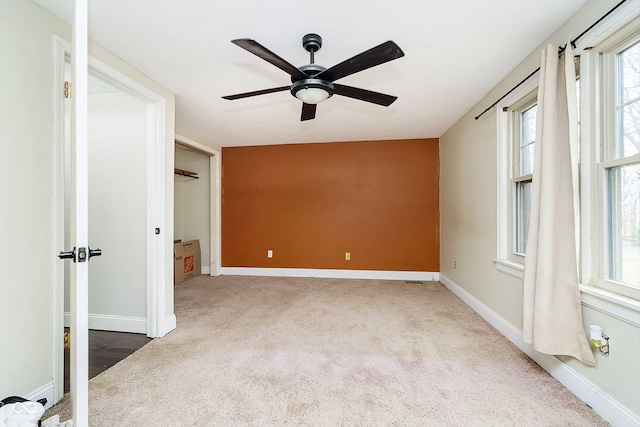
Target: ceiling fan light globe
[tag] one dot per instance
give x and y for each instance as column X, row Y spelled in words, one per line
column 312, row 95
column 312, row 91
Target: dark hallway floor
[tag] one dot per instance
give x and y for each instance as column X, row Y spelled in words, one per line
column 106, row 348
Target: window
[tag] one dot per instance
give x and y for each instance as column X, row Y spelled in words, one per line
column 523, row 138
column 523, row 182
column 619, row 169
column 608, row 89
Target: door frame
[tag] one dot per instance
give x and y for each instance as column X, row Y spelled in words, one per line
column 215, row 192
column 157, row 324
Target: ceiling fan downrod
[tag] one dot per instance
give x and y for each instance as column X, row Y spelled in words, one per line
column 312, row 43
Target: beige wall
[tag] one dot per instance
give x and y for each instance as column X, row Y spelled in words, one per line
column 118, row 205
column 117, row 208
column 27, row 174
column 468, row 154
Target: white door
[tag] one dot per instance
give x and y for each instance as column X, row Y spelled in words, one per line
column 80, row 254
column 159, row 319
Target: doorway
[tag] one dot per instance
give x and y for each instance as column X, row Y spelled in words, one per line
column 117, row 127
column 191, row 217
column 190, row 152
column 117, row 123
column 127, row 169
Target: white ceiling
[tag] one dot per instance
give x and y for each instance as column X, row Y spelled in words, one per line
column 455, row 52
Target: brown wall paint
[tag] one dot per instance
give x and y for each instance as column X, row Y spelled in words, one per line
column 311, row 203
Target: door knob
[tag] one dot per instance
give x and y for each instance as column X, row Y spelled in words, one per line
column 82, row 254
column 68, row 255
column 95, row 252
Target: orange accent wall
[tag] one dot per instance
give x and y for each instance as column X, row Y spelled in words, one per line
column 311, row 203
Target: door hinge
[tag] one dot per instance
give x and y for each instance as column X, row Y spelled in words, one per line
column 67, row 89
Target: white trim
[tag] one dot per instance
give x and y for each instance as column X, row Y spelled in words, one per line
column 331, row 274
column 590, row 146
column 156, row 188
column 611, row 304
column 623, row 15
column 190, row 143
column 167, row 325
column 44, row 392
column 60, row 48
column 511, row 268
column 215, row 175
column 79, row 215
column 155, row 191
column 111, row 75
column 215, row 189
column 597, row 121
column 604, row 405
column 503, row 175
column 107, row 322
column 156, row 203
column 205, row 269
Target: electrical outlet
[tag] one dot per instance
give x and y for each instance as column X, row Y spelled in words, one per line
column 269, row 253
column 347, row 256
column 455, row 264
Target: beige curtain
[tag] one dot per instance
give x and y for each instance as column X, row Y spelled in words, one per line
column 552, row 316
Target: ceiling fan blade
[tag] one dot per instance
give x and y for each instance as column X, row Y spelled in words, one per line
column 364, row 95
column 257, row 92
column 385, row 52
column 308, row 112
column 264, row 53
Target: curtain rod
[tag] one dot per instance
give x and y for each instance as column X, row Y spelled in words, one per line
column 560, row 50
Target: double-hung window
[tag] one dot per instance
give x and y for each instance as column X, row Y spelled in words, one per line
column 523, row 138
column 609, row 167
column 618, row 178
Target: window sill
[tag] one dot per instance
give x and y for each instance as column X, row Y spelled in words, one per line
column 612, row 304
column 609, row 303
column 511, row 268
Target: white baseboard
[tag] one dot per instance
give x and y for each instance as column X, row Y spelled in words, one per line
column 608, row 408
column 331, row 274
column 105, row 322
column 205, row 270
column 166, row 326
column 44, row 392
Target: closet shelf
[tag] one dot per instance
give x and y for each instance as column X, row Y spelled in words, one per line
column 182, row 175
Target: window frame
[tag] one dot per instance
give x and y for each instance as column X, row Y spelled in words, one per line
column 517, row 178
column 506, row 260
column 605, row 59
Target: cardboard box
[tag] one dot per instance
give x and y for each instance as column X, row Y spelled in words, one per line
column 186, row 257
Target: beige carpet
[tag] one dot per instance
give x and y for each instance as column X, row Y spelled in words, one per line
column 326, row 352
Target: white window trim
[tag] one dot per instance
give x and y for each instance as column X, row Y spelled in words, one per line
column 504, row 181
column 610, row 303
column 511, row 268
column 596, row 298
column 595, row 161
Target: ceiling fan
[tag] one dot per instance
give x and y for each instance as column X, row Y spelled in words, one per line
column 313, row 83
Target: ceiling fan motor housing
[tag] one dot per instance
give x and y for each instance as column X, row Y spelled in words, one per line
column 311, row 83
